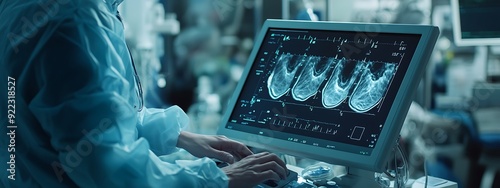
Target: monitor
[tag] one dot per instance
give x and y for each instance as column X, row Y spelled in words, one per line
column 333, row 92
column 474, row 22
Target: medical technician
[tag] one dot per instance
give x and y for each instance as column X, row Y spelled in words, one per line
column 79, row 118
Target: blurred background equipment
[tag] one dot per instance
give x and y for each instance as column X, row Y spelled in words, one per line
column 471, row 26
column 146, row 23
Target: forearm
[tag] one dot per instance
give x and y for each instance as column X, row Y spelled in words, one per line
column 184, row 139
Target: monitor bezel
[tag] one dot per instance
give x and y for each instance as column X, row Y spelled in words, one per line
column 389, row 134
column 457, row 31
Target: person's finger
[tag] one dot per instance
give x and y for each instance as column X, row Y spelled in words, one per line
column 257, row 155
column 238, row 149
column 270, row 157
column 268, row 175
column 242, row 149
column 271, row 165
column 223, row 156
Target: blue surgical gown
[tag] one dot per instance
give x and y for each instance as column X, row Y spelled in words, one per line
column 76, row 104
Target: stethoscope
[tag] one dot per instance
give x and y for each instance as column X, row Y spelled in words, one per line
column 139, row 86
column 139, row 91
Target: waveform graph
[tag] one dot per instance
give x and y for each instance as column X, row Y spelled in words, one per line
column 281, row 77
column 355, row 84
column 340, row 83
column 372, row 86
column 312, row 76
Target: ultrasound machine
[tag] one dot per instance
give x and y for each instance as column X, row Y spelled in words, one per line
column 332, row 92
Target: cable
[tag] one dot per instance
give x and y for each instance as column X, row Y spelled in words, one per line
column 405, row 168
column 396, row 181
column 425, row 172
column 400, row 172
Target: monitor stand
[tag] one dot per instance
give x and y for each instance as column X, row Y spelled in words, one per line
column 356, row 178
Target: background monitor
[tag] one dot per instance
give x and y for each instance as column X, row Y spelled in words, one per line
column 334, row 92
column 475, row 22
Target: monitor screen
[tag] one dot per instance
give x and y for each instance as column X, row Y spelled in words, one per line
column 325, row 93
column 474, row 22
column 306, row 86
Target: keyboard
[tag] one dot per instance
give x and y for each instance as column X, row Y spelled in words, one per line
column 291, row 181
column 291, row 177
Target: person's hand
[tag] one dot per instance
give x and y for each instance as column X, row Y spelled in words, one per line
column 218, row 147
column 255, row 169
